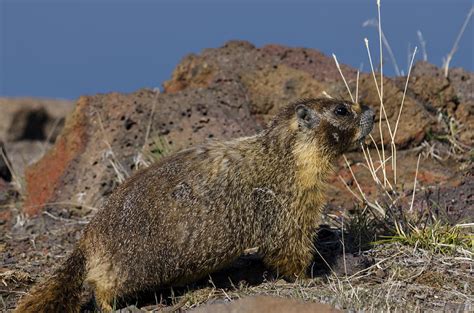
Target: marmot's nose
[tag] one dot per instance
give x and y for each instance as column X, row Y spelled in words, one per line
column 369, row 112
column 367, row 121
column 372, row 113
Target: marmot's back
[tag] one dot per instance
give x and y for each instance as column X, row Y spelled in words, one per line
column 169, row 216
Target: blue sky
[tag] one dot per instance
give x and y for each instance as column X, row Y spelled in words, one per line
column 64, row 49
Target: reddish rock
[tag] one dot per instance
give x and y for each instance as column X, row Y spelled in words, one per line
column 44, row 177
column 271, row 76
column 430, row 173
column 267, row 304
column 238, row 57
column 274, row 75
column 459, row 79
column 212, row 66
column 103, row 140
column 448, row 98
column 452, row 201
column 271, row 88
column 414, row 122
column 465, row 115
column 321, row 67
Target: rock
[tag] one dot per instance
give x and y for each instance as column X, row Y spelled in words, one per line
column 462, row 82
column 130, row 309
column 349, row 264
column 102, row 141
column 274, row 75
column 321, row 67
column 459, row 79
column 433, row 90
column 267, row 304
column 452, row 97
column 271, row 76
column 32, row 119
column 431, row 172
column 270, row 88
column 414, row 122
column 465, row 115
column 453, row 201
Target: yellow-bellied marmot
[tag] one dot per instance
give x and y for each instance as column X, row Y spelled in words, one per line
column 196, row 211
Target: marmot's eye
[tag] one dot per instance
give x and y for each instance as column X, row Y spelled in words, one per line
column 341, row 111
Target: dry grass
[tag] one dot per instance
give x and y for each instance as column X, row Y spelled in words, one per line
column 398, row 222
column 449, row 57
column 423, row 239
column 400, row 277
column 17, row 181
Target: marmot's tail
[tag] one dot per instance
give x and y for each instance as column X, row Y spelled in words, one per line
column 59, row 293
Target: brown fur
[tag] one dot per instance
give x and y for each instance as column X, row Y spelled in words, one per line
column 59, row 293
column 198, row 210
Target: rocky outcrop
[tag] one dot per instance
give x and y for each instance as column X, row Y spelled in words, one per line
column 451, row 97
column 104, row 140
column 270, row 76
column 223, row 93
column 273, row 75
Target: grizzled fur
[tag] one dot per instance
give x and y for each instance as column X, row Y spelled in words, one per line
column 196, row 211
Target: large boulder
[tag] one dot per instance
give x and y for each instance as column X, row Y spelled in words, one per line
column 274, row 75
column 267, row 304
column 105, row 139
column 270, row 76
column 450, row 98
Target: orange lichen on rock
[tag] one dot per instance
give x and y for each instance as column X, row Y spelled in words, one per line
column 43, row 177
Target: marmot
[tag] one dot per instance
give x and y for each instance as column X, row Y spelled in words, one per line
column 196, row 211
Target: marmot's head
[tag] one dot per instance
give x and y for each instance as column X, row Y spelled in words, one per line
column 327, row 124
column 333, row 124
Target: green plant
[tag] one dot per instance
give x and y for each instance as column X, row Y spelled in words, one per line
column 436, row 237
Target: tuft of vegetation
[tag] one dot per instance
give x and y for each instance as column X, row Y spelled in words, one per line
column 159, row 148
column 436, row 237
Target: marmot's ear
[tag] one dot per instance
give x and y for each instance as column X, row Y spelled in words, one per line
column 306, row 116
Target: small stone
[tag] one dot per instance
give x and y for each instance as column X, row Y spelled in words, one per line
column 380, row 273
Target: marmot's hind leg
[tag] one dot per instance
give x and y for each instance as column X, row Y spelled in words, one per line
column 105, row 282
column 292, row 262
